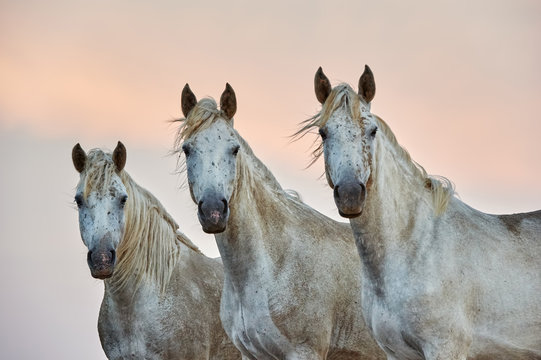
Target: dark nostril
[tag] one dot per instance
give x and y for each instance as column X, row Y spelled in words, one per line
column 336, row 193
column 199, row 205
column 224, row 201
column 89, row 257
column 113, row 256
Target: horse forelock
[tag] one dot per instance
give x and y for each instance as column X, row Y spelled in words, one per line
column 341, row 95
column 204, row 114
column 201, row 117
column 99, row 172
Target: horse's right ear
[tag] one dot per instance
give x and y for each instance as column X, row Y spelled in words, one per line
column 322, row 86
column 187, row 100
column 78, row 156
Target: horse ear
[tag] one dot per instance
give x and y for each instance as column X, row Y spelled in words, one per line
column 228, row 101
column 367, row 85
column 119, row 156
column 322, row 86
column 78, row 156
column 187, row 100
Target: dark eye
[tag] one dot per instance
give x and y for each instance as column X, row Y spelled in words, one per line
column 323, row 134
column 236, row 150
column 79, row 200
column 186, row 149
column 373, row 132
column 123, row 200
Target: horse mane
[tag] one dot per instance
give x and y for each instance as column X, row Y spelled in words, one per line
column 442, row 189
column 149, row 249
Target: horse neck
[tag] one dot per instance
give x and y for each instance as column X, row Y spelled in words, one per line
column 397, row 199
column 257, row 206
column 148, row 251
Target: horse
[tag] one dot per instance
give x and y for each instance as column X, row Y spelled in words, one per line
column 162, row 295
column 440, row 280
column 292, row 275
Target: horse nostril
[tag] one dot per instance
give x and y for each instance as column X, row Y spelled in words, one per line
column 336, row 193
column 200, row 205
column 224, row 201
column 113, row 256
column 89, row 257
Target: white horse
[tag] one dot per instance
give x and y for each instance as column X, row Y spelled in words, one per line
column 292, row 275
column 440, row 280
column 162, row 296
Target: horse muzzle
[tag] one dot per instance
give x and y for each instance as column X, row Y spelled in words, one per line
column 349, row 198
column 213, row 214
column 101, row 263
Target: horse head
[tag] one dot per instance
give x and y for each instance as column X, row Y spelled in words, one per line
column 210, row 146
column 100, row 197
column 348, row 133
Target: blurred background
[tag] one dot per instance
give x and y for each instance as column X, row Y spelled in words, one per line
column 459, row 82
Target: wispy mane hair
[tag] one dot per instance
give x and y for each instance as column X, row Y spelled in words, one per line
column 442, row 189
column 200, row 117
column 149, row 249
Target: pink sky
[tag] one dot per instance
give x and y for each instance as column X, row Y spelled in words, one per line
column 459, row 82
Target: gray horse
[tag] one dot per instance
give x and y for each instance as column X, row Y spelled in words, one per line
column 292, row 275
column 440, row 280
column 162, row 295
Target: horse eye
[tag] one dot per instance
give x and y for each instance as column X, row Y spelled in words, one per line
column 79, row 200
column 236, row 150
column 123, row 200
column 186, row 149
column 373, row 132
column 323, row 134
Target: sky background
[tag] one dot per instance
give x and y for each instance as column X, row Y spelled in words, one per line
column 459, row 82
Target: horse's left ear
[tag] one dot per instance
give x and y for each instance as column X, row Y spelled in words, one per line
column 228, row 102
column 367, row 85
column 119, row 156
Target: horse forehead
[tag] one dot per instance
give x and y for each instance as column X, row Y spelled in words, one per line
column 342, row 123
column 215, row 135
column 103, row 192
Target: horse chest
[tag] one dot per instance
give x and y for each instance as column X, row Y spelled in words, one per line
column 130, row 330
column 248, row 322
column 388, row 330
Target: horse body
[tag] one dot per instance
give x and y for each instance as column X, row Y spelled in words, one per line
column 457, row 280
column 440, row 280
column 162, row 296
column 291, row 275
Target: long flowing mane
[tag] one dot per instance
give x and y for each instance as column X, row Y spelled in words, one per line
column 149, row 249
column 442, row 189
